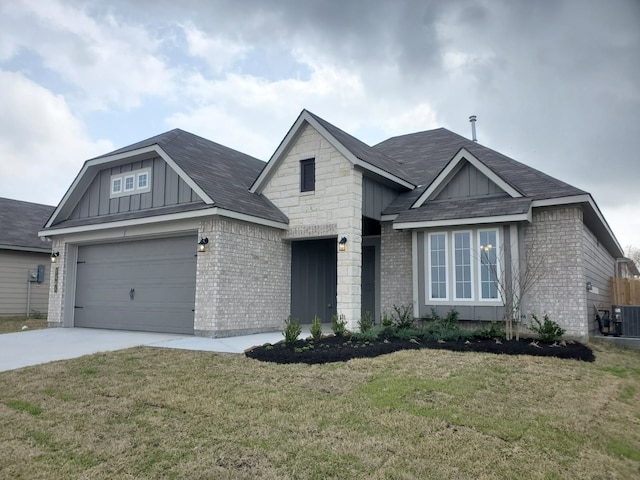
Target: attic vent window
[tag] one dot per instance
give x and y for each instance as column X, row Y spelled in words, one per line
column 130, row 183
column 308, row 175
column 116, row 185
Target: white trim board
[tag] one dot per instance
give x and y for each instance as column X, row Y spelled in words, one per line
column 207, row 212
column 464, row 221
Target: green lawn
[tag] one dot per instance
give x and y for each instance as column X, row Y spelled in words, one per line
column 158, row 413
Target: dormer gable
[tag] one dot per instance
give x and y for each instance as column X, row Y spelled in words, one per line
column 122, row 183
column 465, row 176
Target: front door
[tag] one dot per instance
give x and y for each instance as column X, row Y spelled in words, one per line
column 313, row 279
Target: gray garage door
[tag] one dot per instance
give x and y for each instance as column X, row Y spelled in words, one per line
column 146, row 285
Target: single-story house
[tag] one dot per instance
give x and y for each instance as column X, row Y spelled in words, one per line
column 24, row 258
column 179, row 234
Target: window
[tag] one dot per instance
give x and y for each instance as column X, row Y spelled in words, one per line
column 489, row 272
column 116, row 185
column 308, row 175
column 143, row 180
column 462, row 265
column 438, row 266
column 462, row 272
column 129, row 183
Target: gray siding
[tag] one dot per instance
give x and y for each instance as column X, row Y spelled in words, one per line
column 167, row 188
column 375, row 198
column 14, row 268
column 468, row 182
column 599, row 266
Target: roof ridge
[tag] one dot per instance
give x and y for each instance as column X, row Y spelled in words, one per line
column 373, row 152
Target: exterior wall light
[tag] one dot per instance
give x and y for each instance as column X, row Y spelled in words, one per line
column 342, row 244
column 202, row 244
column 54, row 256
column 589, row 286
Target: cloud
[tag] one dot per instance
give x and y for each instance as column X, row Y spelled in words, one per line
column 218, row 52
column 42, row 144
column 103, row 60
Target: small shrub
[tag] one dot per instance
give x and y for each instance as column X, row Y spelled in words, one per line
column 547, row 330
column 402, row 316
column 408, row 333
column 447, row 328
column 365, row 323
column 339, row 325
column 494, row 330
column 387, row 321
column 292, row 330
column 316, row 328
column 368, row 335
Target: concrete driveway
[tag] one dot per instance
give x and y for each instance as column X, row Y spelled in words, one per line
column 23, row 349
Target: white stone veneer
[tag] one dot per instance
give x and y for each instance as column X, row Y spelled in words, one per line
column 333, row 209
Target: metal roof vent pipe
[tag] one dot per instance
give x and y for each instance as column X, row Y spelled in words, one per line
column 472, row 119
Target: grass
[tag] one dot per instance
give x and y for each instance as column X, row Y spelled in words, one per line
column 158, row 413
column 15, row 323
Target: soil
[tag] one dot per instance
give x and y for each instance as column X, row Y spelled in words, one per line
column 342, row 349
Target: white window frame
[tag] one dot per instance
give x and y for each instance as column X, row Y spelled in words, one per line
column 133, row 183
column 428, row 266
column 455, row 266
column 145, row 174
column 124, row 176
column 116, row 181
column 496, row 247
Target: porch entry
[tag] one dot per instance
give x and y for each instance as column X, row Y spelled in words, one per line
column 314, row 279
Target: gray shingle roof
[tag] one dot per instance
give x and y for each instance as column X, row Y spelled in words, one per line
column 364, row 152
column 425, row 154
column 466, row 208
column 221, row 172
column 20, row 223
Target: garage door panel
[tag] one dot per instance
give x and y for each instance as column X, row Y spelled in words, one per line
column 143, row 285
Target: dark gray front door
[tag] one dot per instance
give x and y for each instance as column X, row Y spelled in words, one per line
column 146, row 285
column 313, row 279
column 369, row 281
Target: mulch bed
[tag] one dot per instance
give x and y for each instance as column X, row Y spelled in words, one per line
column 342, row 349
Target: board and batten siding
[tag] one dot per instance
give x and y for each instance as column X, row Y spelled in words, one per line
column 167, row 188
column 14, row 288
column 375, row 198
column 599, row 266
column 468, row 182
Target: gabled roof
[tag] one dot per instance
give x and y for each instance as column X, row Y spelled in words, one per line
column 220, row 175
column 426, row 154
column 20, row 223
column 357, row 152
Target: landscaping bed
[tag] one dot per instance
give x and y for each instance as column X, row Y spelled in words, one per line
column 343, row 348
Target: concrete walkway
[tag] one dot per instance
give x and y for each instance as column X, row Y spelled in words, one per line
column 34, row 347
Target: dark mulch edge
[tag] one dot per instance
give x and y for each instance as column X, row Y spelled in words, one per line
column 342, row 349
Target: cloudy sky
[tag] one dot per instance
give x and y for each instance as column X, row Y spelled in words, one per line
column 555, row 84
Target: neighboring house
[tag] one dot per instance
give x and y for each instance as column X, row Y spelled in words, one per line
column 24, row 258
column 627, row 268
column 328, row 226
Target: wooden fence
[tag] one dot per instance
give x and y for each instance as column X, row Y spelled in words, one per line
column 625, row 291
